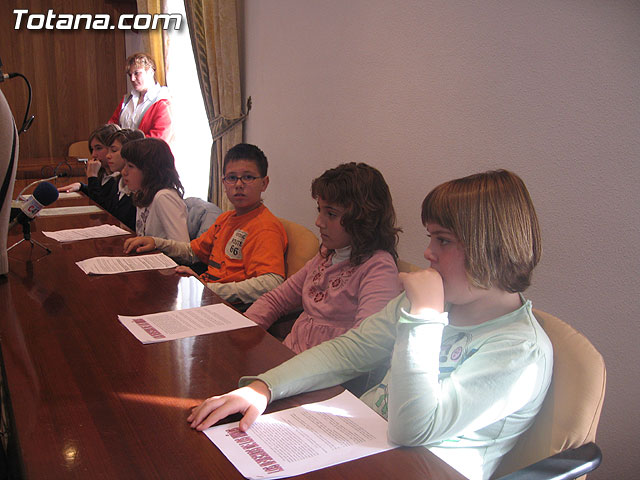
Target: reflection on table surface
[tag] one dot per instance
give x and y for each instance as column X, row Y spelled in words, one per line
column 86, row 399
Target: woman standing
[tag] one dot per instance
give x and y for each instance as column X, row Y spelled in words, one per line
column 147, row 107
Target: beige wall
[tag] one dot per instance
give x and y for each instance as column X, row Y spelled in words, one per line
column 430, row 90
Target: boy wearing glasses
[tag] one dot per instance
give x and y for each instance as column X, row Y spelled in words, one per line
column 244, row 248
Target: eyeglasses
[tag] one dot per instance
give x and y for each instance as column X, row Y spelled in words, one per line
column 233, row 179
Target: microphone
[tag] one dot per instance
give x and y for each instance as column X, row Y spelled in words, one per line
column 44, row 194
column 20, row 197
column 28, row 120
column 7, row 76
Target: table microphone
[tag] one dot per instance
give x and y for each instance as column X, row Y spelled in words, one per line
column 44, row 194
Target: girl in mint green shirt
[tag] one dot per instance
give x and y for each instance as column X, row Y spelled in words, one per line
column 470, row 365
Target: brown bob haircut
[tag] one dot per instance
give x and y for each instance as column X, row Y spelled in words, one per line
column 153, row 156
column 369, row 217
column 124, row 135
column 102, row 133
column 492, row 215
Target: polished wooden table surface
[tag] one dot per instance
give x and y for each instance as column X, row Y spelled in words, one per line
column 88, row 400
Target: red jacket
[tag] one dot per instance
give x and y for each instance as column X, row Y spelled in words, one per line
column 156, row 121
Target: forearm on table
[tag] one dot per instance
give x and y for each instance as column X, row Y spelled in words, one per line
column 335, row 361
column 180, row 251
column 247, row 291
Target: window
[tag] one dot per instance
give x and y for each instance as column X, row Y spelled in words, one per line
column 192, row 145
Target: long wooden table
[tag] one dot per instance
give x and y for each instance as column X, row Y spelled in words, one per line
column 88, row 400
column 68, row 170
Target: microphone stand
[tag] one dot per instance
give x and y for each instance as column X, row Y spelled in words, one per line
column 26, row 224
column 20, row 197
column 26, row 236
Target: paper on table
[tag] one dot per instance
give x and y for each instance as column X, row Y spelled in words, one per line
column 161, row 327
column 66, row 195
column 57, row 211
column 61, row 196
column 74, row 234
column 108, row 265
column 303, row 439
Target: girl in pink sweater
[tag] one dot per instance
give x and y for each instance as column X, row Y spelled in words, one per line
column 354, row 275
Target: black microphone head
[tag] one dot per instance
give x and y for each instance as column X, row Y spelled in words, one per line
column 45, row 193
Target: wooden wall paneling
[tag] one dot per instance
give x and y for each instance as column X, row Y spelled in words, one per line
column 77, row 76
column 11, row 48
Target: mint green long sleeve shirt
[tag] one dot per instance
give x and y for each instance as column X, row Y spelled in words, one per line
column 466, row 393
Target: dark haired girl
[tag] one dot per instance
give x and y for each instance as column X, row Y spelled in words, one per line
column 151, row 174
column 354, row 275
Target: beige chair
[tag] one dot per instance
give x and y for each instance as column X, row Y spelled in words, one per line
column 407, row 267
column 571, row 411
column 303, row 245
column 79, row 150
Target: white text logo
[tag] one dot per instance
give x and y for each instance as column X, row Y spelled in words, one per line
column 99, row 21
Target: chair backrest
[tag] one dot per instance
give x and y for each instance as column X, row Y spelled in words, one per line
column 571, row 411
column 303, row 246
column 200, row 215
column 407, row 267
column 79, row 149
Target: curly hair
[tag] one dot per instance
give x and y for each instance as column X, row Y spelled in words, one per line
column 369, row 216
column 139, row 60
column 492, row 215
column 153, row 156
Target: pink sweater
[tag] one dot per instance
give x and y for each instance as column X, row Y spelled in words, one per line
column 335, row 298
